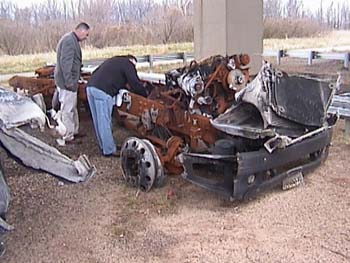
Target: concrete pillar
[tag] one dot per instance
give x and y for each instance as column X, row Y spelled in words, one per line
column 229, row 27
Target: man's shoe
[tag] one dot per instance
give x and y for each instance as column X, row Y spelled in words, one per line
column 114, row 154
column 60, row 142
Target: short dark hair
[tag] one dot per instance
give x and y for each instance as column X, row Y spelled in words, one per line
column 129, row 56
column 82, row 26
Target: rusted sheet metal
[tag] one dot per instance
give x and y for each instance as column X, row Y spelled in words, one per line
column 45, row 72
column 190, row 127
column 32, row 86
column 44, row 83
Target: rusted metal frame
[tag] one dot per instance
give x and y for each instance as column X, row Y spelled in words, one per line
column 214, row 75
column 45, row 71
column 171, row 148
column 32, row 85
column 176, row 101
column 193, row 127
column 196, row 126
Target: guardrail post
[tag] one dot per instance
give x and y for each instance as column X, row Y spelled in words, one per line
column 346, row 60
column 311, row 56
column 150, row 60
column 184, row 57
column 279, row 56
column 347, row 128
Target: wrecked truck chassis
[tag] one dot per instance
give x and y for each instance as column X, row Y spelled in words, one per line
column 180, row 138
column 165, row 110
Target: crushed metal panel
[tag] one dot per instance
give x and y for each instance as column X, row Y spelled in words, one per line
column 276, row 104
column 38, row 155
column 301, row 99
column 4, row 202
column 298, row 99
column 17, row 110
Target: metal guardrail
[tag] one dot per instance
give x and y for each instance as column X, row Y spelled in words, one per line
column 309, row 55
column 152, row 59
column 279, row 54
column 340, row 105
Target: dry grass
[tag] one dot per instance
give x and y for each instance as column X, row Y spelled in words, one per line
column 138, row 50
column 330, row 40
column 25, row 63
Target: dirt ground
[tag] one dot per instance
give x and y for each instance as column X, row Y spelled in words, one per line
column 103, row 220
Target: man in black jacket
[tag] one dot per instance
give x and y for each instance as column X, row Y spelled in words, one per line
column 105, row 82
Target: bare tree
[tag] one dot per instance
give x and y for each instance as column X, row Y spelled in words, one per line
column 319, row 13
column 273, row 9
column 6, row 10
column 293, row 9
column 164, row 21
column 345, row 16
column 97, row 11
column 13, row 37
column 184, row 6
column 125, row 22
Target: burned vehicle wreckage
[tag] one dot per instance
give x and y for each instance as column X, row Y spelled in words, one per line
column 218, row 127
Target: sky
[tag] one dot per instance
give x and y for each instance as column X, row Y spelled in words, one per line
column 310, row 4
column 313, row 5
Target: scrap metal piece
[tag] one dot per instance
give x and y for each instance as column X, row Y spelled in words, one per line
column 293, row 181
column 4, row 202
column 140, row 164
column 39, row 155
column 277, row 104
column 277, row 142
column 17, row 110
column 236, row 79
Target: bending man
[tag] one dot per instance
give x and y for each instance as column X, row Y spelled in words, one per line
column 105, row 82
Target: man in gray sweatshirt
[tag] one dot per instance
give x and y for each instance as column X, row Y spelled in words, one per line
column 67, row 74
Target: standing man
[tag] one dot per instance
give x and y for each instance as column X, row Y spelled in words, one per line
column 67, row 74
column 105, row 82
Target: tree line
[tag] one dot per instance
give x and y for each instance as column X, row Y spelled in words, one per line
column 290, row 18
column 113, row 23
column 336, row 15
column 37, row 28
